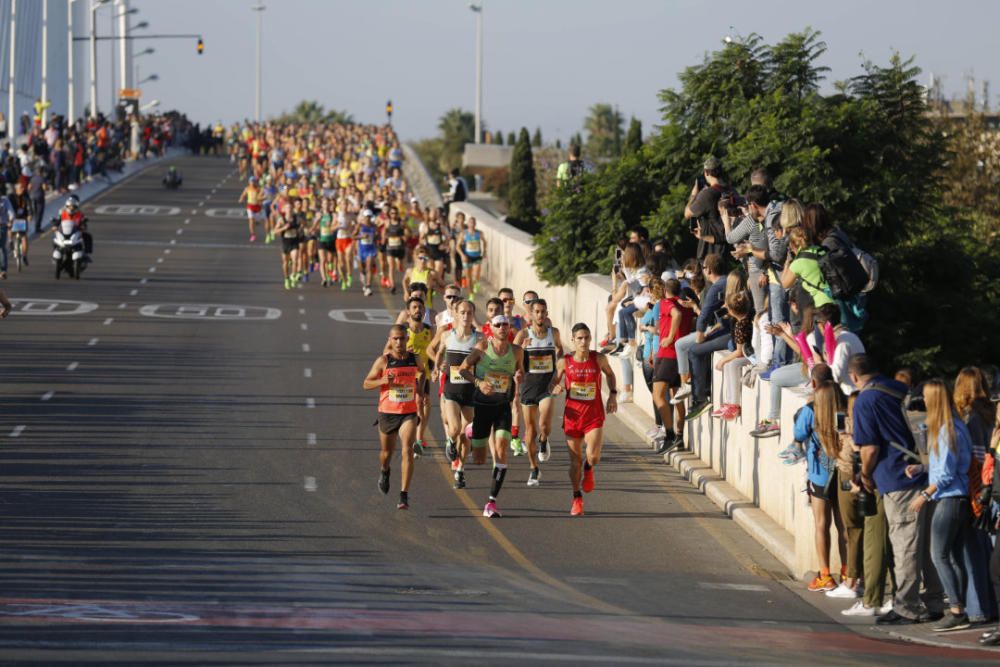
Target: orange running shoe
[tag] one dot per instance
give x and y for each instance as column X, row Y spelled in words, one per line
column 588, row 480
column 577, row 508
column 822, row 582
column 455, row 464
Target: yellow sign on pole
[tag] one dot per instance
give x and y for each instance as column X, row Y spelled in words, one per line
column 129, row 93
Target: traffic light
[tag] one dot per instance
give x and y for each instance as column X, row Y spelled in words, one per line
column 388, row 110
column 201, row 46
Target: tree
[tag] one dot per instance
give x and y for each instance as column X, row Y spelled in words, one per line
column 311, row 111
column 498, row 138
column 558, row 143
column 511, row 139
column 633, row 139
column 604, row 131
column 522, row 195
column 536, row 138
column 341, row 117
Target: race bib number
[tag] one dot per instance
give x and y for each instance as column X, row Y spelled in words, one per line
column 343, row 233
column 367, row 240
column 472, row 246
column 455, row 377
column 583, row 391
column 540, row 364
column 500, row 382
column 434, row 239
column 402, row 394
column 394, row 242
column 19, row 226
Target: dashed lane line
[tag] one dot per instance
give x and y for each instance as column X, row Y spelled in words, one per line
column 309, row 484
column 108, row 321
column 307, row 372
column 302, row 311
column 167, row 251
column 310, row 438
column 304, row 326
column 159, row 260
column 48, row 395
column 310, row 402
column 18, row 430
column 133, row 292
column 144, row 281
column 92, row 342
column 152, row 269
column 305, row 347
column 122, row 306
column 73, row 366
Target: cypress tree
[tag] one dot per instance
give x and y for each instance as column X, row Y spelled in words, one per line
column 633, row 140
column 536, row 139
column 498, row 138
column 511, row 139
column 523, row 192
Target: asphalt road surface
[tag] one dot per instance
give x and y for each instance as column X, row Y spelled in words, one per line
column 188, row 474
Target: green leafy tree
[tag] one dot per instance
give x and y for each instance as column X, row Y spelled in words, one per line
column 337, row 116
column 523, row 192
column 604, row 131
column 498, row 138
column 633, row 138
column 536, row 138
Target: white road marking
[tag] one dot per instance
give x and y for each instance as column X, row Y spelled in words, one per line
column 310, row 438
column 152, row 269
column 304, row 326
column 187, row 221
column 180, row 231
column 310, row 484
column 307, row 372
column 305, row 347
column 92, row 342
column 201, row 203
column 310, row 402
column 302, row 311
column 173, row 241
column 144, row 281
column 750, row 588
column 167, row 251
column 159, row 260
column 109, row 321
column 48, row 395
column 122, row 306
column 133, row 292
column 18, row 430
column 193, row 211
column 301, row 298
column 214, row 190
column 73, row 366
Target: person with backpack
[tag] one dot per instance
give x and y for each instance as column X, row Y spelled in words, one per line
column 805, row 278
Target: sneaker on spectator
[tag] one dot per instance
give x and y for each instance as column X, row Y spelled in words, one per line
column 607, row 340
column 843, row 591
column 698, row 410
column 766, row 429
column 653, row 432
column 885, row 608
column 625, row 397
column 766, row 374
column 859, row 609
column 791, row 451
column 822, row 582
column 952, row 621
column 681, row 394
column 720, row 411
column 731, row 412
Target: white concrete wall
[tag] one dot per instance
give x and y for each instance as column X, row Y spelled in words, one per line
column 750, row 465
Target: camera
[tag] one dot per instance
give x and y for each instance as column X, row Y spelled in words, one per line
column 867, row 504
column 841, row 422
column 733, row 202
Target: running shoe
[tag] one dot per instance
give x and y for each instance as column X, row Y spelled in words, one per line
column 367, row 291
column 343, row 285
column 766, row 375
column 450, row 450
column 732, row 411
column 404, row 501
column 517, row 447
column 459, row 479
column 350, row 279
column 588, row 480
column 418, row 449
column 843, row 591
column 681, row 394
column 768, row 428
column 534, row 476
column 383, row 482
column 253, row 238
column 698, row 410
column 491, row 511
column 793, row 450
column 718, row 413
column 392, row 290
column 822, row 583
column 652, row 432
column 288, row 283
column 577, row 508
column 543, row 451
column 666, row 444
column 859, row 609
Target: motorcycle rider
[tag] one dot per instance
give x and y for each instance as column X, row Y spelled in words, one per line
column 173, row 177
column 71, row 211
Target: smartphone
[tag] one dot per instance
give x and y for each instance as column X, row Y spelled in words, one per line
column 841, row 422
column 694, row 225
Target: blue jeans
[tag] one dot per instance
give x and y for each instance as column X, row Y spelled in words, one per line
column 683, row 346
column 950, row 527
column 778, row 301
column 783, row 378
column 628, row 373
column 626, row 323
column 700, row 356
column 980, row 603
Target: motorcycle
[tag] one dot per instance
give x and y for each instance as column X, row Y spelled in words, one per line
column 67, row 241
column 172, row 180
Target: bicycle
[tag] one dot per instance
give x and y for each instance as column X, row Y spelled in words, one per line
column 19, row 230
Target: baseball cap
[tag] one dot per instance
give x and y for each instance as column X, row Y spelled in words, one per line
column 712, row 163
column 499, row 319
column 669, row 274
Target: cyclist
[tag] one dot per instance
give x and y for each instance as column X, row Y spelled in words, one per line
column 21, row 206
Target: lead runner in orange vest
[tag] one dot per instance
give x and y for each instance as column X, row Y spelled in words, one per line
column 399, row 379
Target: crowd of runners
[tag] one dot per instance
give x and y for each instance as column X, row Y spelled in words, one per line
column 335, row 197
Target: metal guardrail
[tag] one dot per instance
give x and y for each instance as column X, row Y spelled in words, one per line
column 420, row 180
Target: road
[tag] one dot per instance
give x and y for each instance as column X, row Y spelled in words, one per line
column 188, row 475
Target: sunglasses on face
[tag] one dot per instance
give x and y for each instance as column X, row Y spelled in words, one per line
column 423, row 258
column 505, row 324
column 449, row 297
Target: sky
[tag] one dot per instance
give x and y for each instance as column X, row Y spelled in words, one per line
column 545, row 61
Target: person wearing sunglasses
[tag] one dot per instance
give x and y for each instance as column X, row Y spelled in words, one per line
column 423, row 272
column 493, row 366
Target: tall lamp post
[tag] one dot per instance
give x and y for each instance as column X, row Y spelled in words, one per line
column 94, row 5
column 478, row 10
column 135, row 75
column 259, row 8
column 11, row 86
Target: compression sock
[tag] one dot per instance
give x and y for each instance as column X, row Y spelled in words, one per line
column 499, row 472
column 587, row 466
column 829, row 342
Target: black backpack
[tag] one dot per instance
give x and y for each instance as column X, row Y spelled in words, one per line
column 840, row 266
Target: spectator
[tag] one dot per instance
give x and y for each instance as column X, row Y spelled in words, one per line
column 822, row 485
column 887, row 448
column 949, row 451
column 839, row 345
column 649, row 324
column 675, row 321
column 572, row 168
column 731, row 365
column 707, row 310
column 777, row 241
column 749, row 237
column 804, row 273
column 991, row 473
column 700, row 354
column 839, row 445
column 703, row 210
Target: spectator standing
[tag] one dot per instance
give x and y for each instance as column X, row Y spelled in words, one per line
column 887, row 448
column 36, row 192
column 711, row 303
column 703, row 210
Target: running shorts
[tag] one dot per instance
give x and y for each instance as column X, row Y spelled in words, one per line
column 472, row 261
column 532, row 396
column 327, row 243
column 437, row 255
column 581, row 417
column 491, row 417
column 343, row 245
column 665, row 370
column 366, row 252
column 389, row 423
column 288, row 245
column 398, row 253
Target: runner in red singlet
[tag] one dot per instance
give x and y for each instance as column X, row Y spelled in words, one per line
column 583, row 418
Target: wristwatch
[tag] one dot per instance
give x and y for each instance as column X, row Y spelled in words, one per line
column 925, row 496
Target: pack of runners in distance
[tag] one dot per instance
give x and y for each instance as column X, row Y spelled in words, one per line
column 335, row 197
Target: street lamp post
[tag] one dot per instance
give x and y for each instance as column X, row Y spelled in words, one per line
column 259, row 8
column 71, row 102
column 478, row 10
column 45, row 61
column 94, row 5
column 11, row 86
column 135, row 75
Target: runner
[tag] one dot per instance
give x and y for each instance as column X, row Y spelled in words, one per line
column 394, row 237
column 543, row 348
column 417, row 291
column 451, row 347
column 365, row 232
column 327, row 245
column 252, row 195
column 419, row 335
column 473, row 251
column 676, row 321
column 435, row 239
column 579, row 375
column 493, row 366
column 399, row 379
column 346, row 222
column 422, row 272
column 288, row 229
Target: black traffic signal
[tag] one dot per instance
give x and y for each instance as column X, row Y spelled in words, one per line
column 201, row 46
